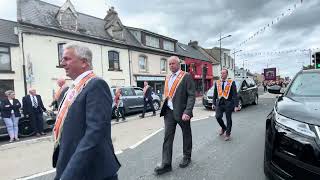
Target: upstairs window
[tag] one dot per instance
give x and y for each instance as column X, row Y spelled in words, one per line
column 114, row 64
column 163, row 65
column 60, row 53
column 143, row 63
column 168, row 45
column 5, row 59
column 152, row 41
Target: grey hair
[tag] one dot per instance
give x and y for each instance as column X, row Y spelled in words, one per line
column 81, row 51
column 176, row 58
column 9, row 92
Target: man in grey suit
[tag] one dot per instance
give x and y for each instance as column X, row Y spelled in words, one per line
column 177, row 109
column 82, row 133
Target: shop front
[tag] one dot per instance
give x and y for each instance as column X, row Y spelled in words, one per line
column 156, row 82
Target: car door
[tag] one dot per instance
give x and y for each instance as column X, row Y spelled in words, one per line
column 251, row 89
column 139, row 97
column 128, row 97
column 244, row 92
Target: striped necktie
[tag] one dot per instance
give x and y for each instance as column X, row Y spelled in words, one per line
column 35, row 104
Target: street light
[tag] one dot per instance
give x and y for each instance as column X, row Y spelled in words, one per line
column 234, row 59
column 220, row 49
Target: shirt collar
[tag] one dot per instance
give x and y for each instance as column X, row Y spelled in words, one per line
column 176, row 73
column 81, row 76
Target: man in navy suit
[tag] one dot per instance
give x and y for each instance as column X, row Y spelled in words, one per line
column 33, row 107
column 83, row 147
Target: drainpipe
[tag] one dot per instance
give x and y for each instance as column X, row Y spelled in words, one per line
column 129, row 55
column 24, row 66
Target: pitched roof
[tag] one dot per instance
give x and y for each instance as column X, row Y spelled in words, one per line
column 43, row 14
column 7, row 35
column 189, row 51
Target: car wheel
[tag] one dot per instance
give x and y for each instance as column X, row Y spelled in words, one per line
column 240, row 104
column 156, row 105
column 255, row 102
column 25, row 128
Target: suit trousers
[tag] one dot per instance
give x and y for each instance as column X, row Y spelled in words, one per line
column 37, row 122
column 220, row 109
column 146, row 103
column 169, row 131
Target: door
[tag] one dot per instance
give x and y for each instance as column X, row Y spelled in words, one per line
column 128, row 98
column 139, row 97
column 251, row 88
column 159, row 89
column 244, row 93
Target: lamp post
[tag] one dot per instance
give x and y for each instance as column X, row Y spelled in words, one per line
column 234, row 60
column 220, row 49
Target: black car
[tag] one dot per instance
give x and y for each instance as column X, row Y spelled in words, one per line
column 292, row 139
column 247, row 93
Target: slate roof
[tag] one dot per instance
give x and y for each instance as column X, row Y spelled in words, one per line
column 7, row 35
column 189, row 51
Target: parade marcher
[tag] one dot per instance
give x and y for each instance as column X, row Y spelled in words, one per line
column 225, row 100
column 32, row 106
column 118, row 103
column 82, row 133
column 147, row 99
column 265, row 89
column 10, row 112
column 58, row 96
column 177, row 109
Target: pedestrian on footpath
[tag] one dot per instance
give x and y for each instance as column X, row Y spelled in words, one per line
column 118, row 103
column 177, row 109
column 58, row 96
column 10, row 112
column 82, row 134
column 33, row 108
column 147, row 99
column 225, row 100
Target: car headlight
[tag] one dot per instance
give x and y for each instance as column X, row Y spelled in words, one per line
column 297, row 126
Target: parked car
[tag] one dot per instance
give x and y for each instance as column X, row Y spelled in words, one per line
column 247, row 93
column 133, row 99
column 274, row 89
column 25, row 128
column 292, row 136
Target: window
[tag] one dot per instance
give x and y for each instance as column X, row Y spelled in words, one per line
column 139, row 92
column 5, row 60
column 127, row 92
column 152, row 41
column 163, row 65
column 301, row 85
column 113, row 61
column 5, row 85
column 60, row 53
column 143, row 63
column 168, row 45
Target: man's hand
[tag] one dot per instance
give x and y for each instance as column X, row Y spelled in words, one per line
column 236, row 109
column 185, row 117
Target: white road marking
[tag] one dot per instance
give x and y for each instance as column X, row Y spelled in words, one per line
column 145, row 139
column 38, row 175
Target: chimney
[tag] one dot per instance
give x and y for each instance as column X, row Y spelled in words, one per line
column 193, row 43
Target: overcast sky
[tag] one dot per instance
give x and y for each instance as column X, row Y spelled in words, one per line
column 203, row 20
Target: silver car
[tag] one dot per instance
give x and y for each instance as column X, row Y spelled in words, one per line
column 133, row 99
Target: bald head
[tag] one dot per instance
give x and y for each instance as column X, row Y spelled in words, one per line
column 32, row 91
column 174, row 63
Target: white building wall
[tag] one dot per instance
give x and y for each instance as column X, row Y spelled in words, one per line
column 42, row 51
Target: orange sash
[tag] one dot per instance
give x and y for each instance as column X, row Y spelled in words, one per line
column 170, row 94
column 227, row 89
column 58, row 93
column 69, row 99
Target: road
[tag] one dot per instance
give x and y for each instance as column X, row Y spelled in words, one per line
column 212, row 158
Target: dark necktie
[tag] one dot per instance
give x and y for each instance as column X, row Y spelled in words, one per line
column 35, row 104
column 223, row 85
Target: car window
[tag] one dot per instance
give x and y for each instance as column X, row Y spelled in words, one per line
column 138, row 92
column 244, row 84
column 307, row 84
column 250, row 83
column 127, row 92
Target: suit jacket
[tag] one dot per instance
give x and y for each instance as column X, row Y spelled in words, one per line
column 183, row 99
column 232, row 100
column 148, row 94
column 28, row 108
column 7, row 107
column 86, row 151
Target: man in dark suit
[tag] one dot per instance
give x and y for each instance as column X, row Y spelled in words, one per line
column 177, row 109
column 82, row 133
column 225, row 100
column 32, row 106
column 147, row 99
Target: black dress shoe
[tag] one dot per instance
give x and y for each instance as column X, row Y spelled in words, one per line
column 162, row 169
column 185, row 162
